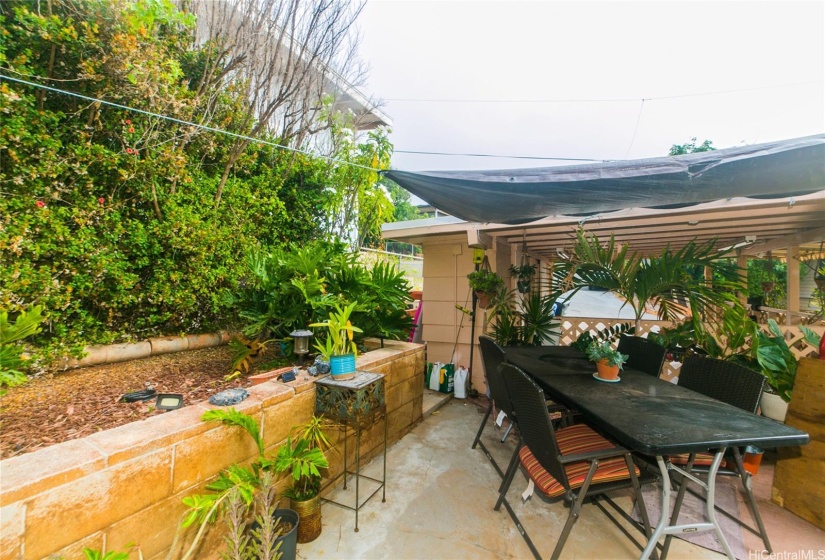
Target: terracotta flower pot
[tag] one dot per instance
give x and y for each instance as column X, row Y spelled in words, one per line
column 607, row 372
column 483, row 300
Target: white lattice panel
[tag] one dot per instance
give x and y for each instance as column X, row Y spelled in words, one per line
column 573, row 327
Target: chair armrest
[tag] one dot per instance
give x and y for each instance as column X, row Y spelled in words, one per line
column 590, row 455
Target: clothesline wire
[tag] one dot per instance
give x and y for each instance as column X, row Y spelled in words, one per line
column 183, row 122
column 598, row 100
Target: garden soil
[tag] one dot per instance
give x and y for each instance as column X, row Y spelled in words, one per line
column 59, row 407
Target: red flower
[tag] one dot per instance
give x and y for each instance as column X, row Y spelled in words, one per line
column 101, row 200
column 40, row 204
column 128, row 121
column 128, row 150
column 131, row 129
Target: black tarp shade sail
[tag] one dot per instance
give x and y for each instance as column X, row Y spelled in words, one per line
column 514, row 196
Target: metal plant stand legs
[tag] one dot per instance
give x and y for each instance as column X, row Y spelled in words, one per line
column 356, row 404
column 357, row 472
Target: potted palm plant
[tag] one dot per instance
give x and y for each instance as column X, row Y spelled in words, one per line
column 664, row 281
column 304, row 458
column 608, row 360
column 244, row 494
column 338, row 347
column 485, row 284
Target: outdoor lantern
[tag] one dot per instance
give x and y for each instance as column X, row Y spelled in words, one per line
column 301, row 344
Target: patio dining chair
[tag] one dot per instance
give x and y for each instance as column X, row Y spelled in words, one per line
column 492, row 357
column 738, row 386
column 644, row 355
column 571, row 464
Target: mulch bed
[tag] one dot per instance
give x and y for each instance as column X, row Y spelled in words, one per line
column 74, row 404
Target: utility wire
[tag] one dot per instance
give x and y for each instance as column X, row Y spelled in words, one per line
column 252, row 139
column 497, row 156
column 636, row 128
column 181, row 121
column 596, row 100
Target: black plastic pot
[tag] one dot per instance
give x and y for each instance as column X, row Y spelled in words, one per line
column 288, row 540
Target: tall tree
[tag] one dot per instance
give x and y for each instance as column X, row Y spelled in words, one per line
column 287, row 55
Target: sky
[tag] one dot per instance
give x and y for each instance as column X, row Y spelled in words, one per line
column 590, row 80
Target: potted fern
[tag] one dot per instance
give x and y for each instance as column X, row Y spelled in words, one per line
column 338, row 347
column 608, row 360
column 485, row 283
column 524, row 276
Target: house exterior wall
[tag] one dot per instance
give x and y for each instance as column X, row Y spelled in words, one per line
column 125, row 485
column 447, row 330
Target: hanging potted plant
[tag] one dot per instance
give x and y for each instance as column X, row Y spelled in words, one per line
column 608, row 361
column 524, row 276
column 339, row 348
column 485, row 284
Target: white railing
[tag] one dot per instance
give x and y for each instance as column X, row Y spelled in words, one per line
column 410, row 266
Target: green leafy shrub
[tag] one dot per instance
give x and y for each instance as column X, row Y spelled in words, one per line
column 290, row 288
column 11, row 354
column 112, row 220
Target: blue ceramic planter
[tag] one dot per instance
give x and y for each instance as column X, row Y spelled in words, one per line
column 343, row 366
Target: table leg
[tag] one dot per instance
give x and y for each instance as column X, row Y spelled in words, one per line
column 663, row 528
column 384, row 479
column 345, row 456
column 710, row 504
column 660, row 527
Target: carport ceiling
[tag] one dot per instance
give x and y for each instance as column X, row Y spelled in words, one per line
column 756, row 226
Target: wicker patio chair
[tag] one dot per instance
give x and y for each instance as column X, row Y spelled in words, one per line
column 737, row 386
column 572, row 463
column 644, row 355
column 493, row 356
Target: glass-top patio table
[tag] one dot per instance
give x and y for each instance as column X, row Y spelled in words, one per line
column 654, row 418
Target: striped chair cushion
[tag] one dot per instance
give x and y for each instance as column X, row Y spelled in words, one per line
column 702, row 460
column 575, row 439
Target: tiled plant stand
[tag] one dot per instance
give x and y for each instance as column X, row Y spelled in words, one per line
column 355, row 404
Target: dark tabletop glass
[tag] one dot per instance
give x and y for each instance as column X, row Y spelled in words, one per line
column 644, row 413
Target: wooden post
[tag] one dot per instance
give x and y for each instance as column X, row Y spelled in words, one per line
column 742, row 263
column 792, row 269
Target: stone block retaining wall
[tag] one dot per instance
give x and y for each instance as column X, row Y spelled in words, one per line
column 125, row 485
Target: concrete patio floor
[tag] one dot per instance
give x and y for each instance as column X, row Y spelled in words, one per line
column 441, row 493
